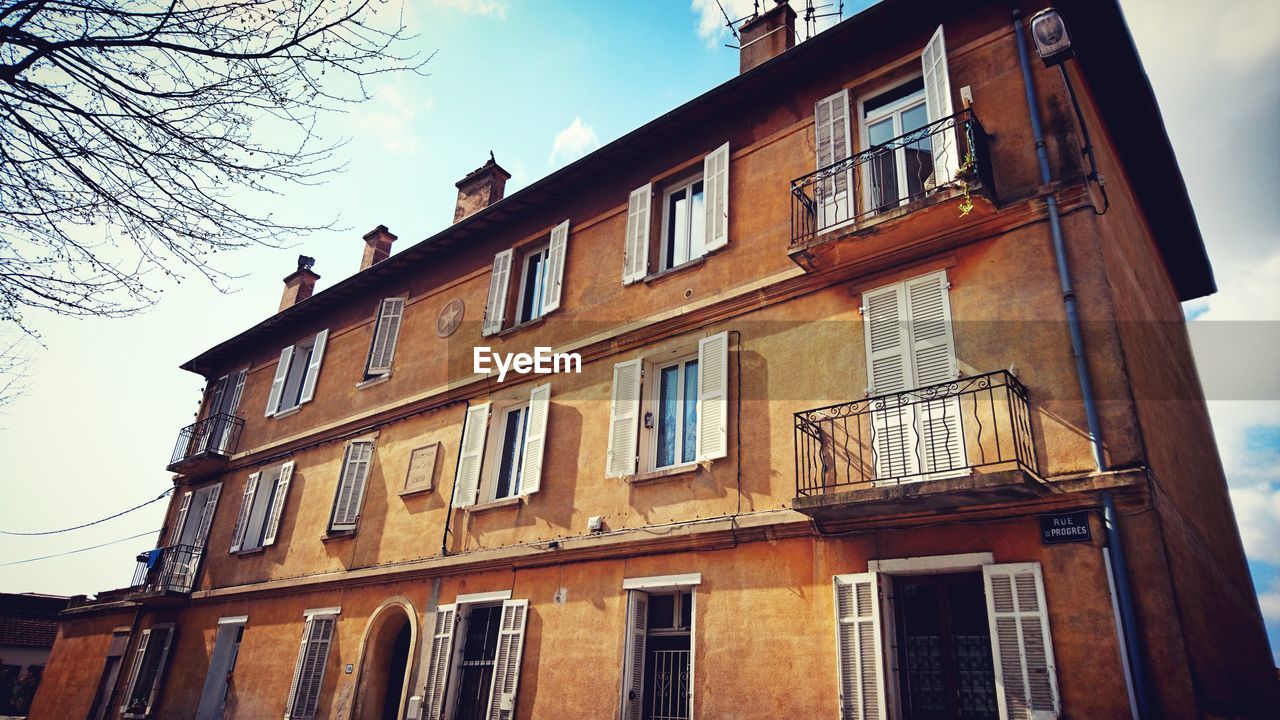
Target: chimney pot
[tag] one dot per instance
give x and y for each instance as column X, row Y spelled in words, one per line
column 481, row 188
column 377, row 246
column 767, row 35
column 299, row 285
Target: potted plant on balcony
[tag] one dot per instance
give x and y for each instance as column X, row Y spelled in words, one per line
column 966, row 176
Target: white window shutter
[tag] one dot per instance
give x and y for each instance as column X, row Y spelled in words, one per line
column 308, row 674
column 506, row 664
column 313, row 367
column 353, row 478
column 859, row 658
column 495, row 308
column 884, row 322
column 831, row 142
column 715, row 188
column 555, row 268
column 933, row 361
column 206, row 515
column 633, row 662
column 713, row 397
column 1026, row 680
column 246, row 506
column 471, row 456
column 385, row 333
column 535, row 440
column 624, row 417
column 135, row 668
column 277, row 504
column 161, row 662
column 277, row 384
column 636, row 251
column 180, row 520
column 433, row 700
column 238, row 391
column 297, row 670
column 937, row 94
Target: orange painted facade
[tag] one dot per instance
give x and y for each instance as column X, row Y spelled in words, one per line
column 733, row 531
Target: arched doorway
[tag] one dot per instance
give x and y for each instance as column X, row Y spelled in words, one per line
column 386, row 657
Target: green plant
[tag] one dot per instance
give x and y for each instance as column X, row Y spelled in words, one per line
column 967, row 172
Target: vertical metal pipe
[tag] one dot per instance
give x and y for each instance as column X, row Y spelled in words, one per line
column 1128, row 627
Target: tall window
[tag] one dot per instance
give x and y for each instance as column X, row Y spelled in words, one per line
column 313, row 658
column 512, row 432
column 385, row 333
column 296, row 374
column 353, row 478
column 684, row 227
column 658, row 662
column 479, row 681
column 673, row 413
column 539, row 275
column 147, row 670
column 902, row 169
column 533, row 283
column 502, row 448
column 261, row 508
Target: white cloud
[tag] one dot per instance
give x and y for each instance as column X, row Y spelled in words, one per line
column 388, row 118
column 1258, row 513
column 712, row 24
column 490, row 8
column 573, row 142
column 1237, row 34
column 1270, row 601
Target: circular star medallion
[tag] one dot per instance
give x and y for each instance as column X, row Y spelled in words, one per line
column 450, row 318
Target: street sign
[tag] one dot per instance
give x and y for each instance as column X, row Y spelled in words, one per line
column 1065, row 527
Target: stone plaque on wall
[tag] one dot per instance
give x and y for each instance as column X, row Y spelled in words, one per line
column 422, row 469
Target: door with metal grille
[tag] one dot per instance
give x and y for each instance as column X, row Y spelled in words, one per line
column 667, row 657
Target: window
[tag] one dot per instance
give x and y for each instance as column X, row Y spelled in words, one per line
column 262, row 505
column 693, row 217
column 540, row 287
column 221, row 406
column 217, row 681
column 385, row 332
column 296, row 374
column 657, row 670
column 110, row 673
column 481, row 678
column 669, row 410
column 313, row 658
column 147, row 670
column 352, row 480
column 506, row 462
column 967, row 644
column 909, row 344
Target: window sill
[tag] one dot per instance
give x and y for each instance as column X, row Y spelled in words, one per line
column 507, row 332
column 251, row 551
column 286, row 413
column 678, row 269
column 686, row 471
column 415, row 491
column 337, row 535
column 375, row 380
column 496, row 504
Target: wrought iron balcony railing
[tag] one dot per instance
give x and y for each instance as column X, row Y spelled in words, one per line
column 946, row 153
column 968, row 425
column 169, row 569
column 213, row 437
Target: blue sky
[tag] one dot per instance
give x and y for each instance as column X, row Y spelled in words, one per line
column 541, row 83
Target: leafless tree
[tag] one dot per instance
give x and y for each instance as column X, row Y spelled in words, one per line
column 137, row 134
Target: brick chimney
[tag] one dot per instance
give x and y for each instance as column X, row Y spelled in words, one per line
column 377, row 246
column 767, row 35
column 481, row 188
column 300, row 284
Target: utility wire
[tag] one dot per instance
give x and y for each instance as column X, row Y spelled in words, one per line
column 95, row 522
column 83, row 549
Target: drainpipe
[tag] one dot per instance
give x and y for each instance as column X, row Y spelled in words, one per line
column 1114, row 550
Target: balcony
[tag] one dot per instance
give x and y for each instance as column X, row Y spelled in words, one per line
column 935, row 448
column 166, row 574
column 939, row 174
column 206, row 445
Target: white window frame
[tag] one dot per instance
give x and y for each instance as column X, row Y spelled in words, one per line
column 539, row 249
column 135, row 669
column 491, row 465
column 299, row 368
column 650, row 404
column 658, row 585
column 664, row 261
column 462, row 608
column 274, row 509
column 893, row 110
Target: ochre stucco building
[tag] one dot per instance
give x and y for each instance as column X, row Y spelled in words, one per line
column 885, row 409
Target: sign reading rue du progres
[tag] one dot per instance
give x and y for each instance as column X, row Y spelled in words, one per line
column 1065, row 527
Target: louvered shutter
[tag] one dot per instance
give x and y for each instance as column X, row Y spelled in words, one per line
column 135, row 669
column 859, row 660
column 713, row 396
column 161, row 662
column 555, row 268
column 206, row 515
column 715, row 188
column 933, row 361
column 636, row 251
column 937, row 94
column 1022, row 649
column 238, row 390
column 277, row 385
column 180, row 520
column 831, row 141
column 471, row 455
column 226, row 428
column 624, row 416
column 246, row 506
column 438, row 666
column 277, row 504
column 506, row 664
column 313, row 367
column 352, row 481
column 216, row 396
column 385, row 333
column 633, row 663
column 308, row 675
column 893, row 430
column 535, row 440
column 495, row 307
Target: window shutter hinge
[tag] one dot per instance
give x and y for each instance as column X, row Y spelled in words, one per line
column 946, row 284
column 862, row 309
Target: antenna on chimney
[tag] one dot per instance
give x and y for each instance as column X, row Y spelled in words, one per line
column 813, row 13
column 732, row 24
column 306, row 263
